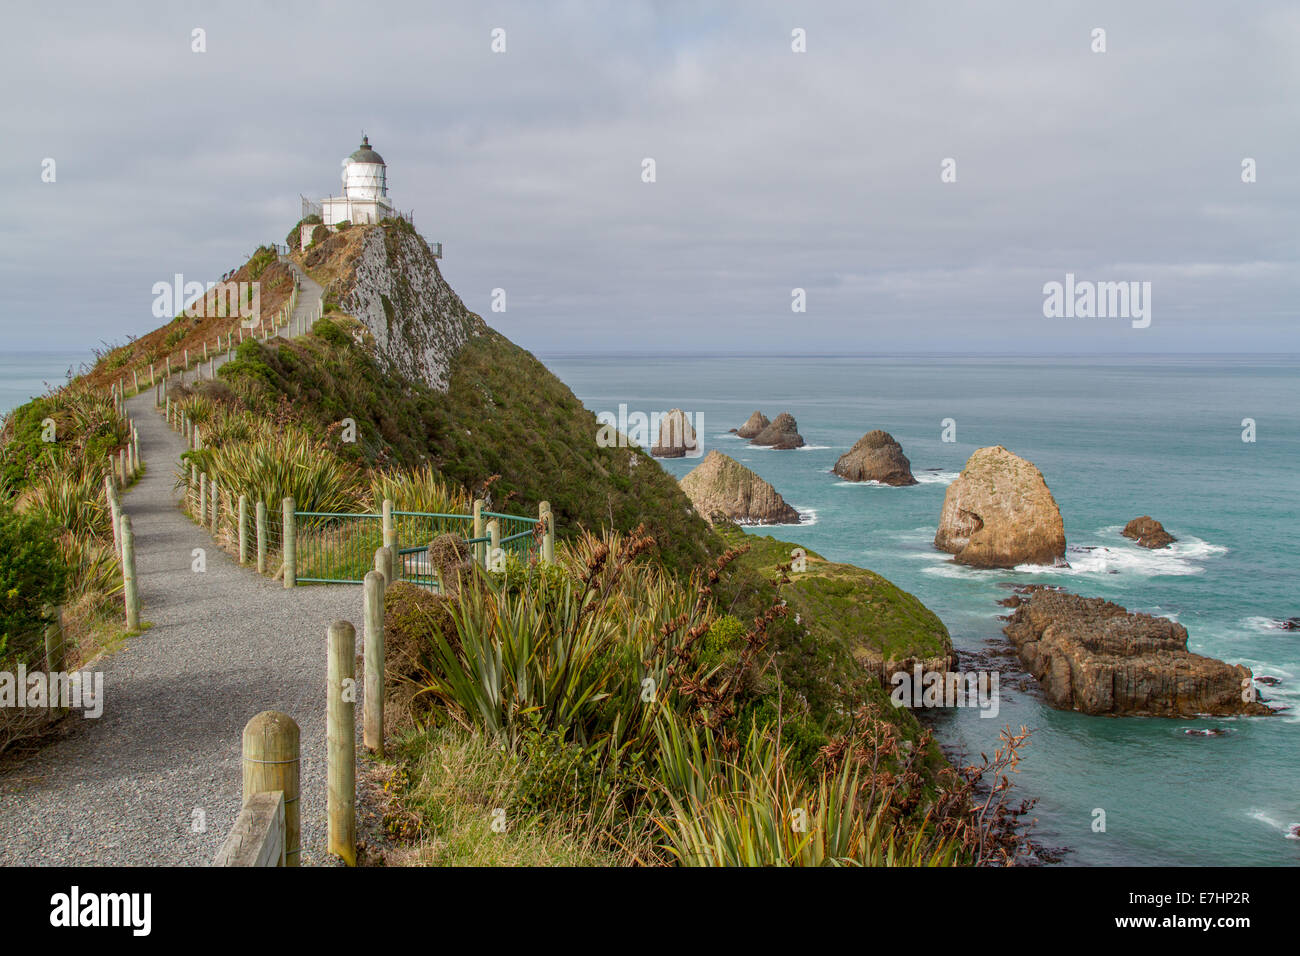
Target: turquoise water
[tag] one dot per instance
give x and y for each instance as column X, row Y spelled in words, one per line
column 1114, row 439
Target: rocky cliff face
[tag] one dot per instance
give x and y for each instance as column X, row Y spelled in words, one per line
column 1148, row 532
column 783, row 432
column 720, row 485
column 753, row 426
column 876, row 456
column 395, row 289
column 1093, row 656
column 999, row 513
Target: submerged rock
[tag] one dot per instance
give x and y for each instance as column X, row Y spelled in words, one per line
column 783, row 432
column 722, row 486
column 1148, row 532
column 876, row 456
column 1093, row 656
column 753, row 426
column 677, row 438
column 999, row 513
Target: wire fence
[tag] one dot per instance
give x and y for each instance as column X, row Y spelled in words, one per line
column 336, row 548
column 339, row 548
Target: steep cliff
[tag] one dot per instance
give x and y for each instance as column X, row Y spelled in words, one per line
column 396, row 290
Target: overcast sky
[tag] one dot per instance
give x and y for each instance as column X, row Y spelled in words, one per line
column 775, row 170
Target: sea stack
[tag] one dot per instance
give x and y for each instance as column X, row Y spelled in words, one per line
column 999, row 513
column 1148, row 532
column 677, row 438
column 722, row 486
column 783, row 432
column 753, row 426
column 876, row 457
column 1096, row 657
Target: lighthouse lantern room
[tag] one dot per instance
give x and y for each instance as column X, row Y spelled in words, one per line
column 365, row 190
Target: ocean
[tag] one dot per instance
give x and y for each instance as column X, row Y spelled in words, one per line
column 24, row 375
column 1114, row 438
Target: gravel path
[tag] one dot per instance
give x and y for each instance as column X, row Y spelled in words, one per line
column 225, row 644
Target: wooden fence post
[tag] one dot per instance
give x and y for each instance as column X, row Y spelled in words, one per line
column 194, row 486
column 203, row 499
column 135, row 445
column 243, row 529
column 261, row 537
column 390, row 529
column 373, row 718
column 115, row 512
column 216, row 505
column 494, row 534
column 270, row 746
column 479, row 550
column 548, row 532
column 288, row 544
column 130, row 595
column 384, row 565
column 341, row 741
column 54, row 654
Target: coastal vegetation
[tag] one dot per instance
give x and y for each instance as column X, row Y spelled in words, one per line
column 632, row 722
column 668, row 692
column 56, row 536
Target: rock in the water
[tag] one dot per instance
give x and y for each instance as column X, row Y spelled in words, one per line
column 677, row 438
column 1148, row 532
column 876, row 456
column 753, row 426
column 783, row 432
column 1095, row 657
column 720, row 485
column 999, row 513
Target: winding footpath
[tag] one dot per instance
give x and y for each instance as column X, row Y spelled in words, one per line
column 163, row 761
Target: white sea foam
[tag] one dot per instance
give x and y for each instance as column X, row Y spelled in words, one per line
column 936, row 477
column 813, row 447
column 1264, row 625
column 1182, row 558
column 1289, row 830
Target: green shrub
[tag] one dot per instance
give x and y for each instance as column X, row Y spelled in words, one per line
column 329, row 331
column 32, row 577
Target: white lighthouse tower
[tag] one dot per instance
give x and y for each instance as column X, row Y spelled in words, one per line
column 365, row 190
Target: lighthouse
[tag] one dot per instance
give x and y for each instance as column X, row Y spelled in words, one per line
column 365, row 190
column 365, row 199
